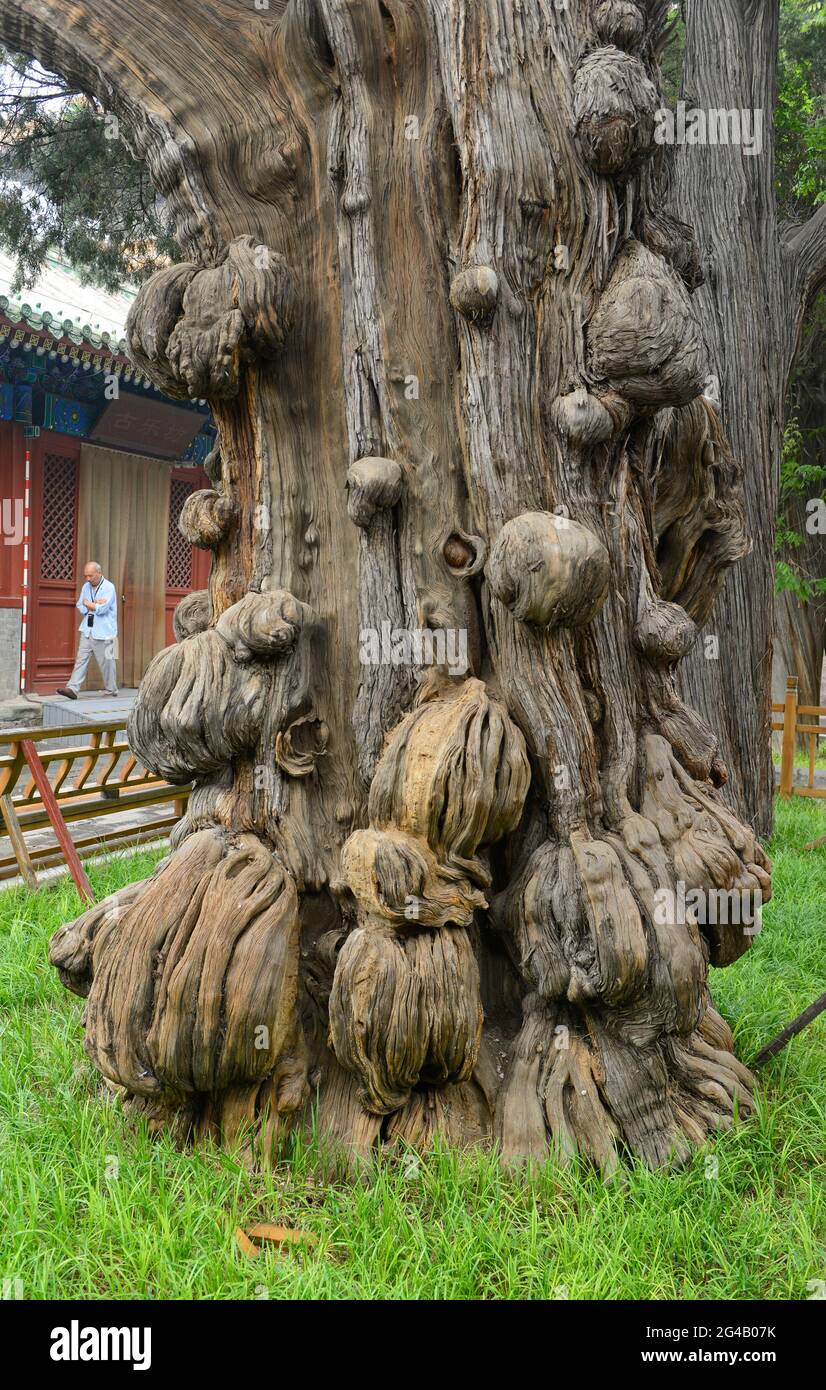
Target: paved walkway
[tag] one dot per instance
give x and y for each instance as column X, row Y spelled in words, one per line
column 801, row 777
column 57, row 709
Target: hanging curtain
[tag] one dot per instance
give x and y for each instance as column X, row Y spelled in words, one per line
column 124, row 525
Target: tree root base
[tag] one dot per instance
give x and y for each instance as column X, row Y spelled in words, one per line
column 551, row 1106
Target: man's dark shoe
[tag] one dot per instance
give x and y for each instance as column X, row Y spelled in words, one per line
column 64, row 690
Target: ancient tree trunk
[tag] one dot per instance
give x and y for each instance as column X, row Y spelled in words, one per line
column 447, row 336
column 759, row 278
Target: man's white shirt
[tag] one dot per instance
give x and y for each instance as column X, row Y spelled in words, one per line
column 105, row 625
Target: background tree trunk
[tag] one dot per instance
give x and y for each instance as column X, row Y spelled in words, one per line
column 448, row 340
column 759, row 278
column 800, row 627
column 799, row 640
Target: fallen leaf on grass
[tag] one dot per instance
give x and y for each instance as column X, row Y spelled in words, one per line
column 245, row 1244
column 280, row 1235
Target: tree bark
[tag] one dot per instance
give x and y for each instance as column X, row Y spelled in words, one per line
column 759, row 278
column 448, row 340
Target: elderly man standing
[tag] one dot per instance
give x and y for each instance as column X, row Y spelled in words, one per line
column 98, row 603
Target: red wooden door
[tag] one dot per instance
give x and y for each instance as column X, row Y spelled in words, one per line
column 54, row 563
column 186, row 567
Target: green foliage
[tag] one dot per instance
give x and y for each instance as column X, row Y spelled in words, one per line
column 799, row 478
column 800, row 117
column 68, row 183
column 788, row 578
column 800, row 123
column 671, row 62
column 96, row 1209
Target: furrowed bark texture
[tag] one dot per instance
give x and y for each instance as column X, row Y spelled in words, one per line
column 759, row 278
column 448, row 337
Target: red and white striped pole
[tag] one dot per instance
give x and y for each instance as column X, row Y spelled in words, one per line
column 24, row 626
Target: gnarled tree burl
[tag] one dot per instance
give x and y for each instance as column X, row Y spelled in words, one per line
column 446, row 330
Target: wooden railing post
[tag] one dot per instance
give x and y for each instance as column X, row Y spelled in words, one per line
column 789, row 737
column 17, row 840
column 59, row 826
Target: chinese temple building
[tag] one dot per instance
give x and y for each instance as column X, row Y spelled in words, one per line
column 111, row 462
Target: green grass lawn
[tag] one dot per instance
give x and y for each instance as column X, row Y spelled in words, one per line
column 93, row 1209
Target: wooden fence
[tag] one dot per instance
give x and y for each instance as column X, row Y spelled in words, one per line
column 77, row 772
column 796, row 720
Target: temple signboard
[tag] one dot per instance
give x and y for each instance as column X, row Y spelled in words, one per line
column 147, row 426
